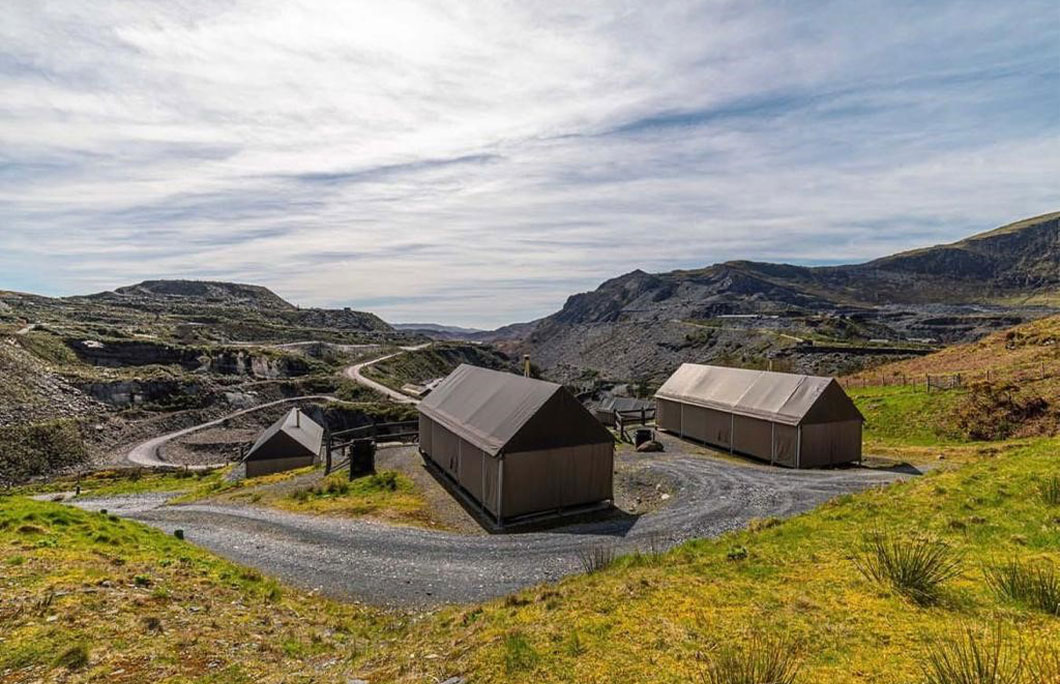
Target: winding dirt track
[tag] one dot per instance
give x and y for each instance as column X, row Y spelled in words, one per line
column 382, row 564
column 147, row 453
column 354, row 373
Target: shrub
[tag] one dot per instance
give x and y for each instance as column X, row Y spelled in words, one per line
column 1036, row 585
column 596, row 558
column 762, row 660
column 991, row 411
column 970, row 659
column 1049, row 490
column 915, row 567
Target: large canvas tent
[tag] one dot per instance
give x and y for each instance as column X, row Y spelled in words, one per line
column 799, row 421
column 516, row 445
column 291, row 442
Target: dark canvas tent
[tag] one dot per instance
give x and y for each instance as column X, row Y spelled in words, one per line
column 800, row 421
column 517, row 446
column 291, row 442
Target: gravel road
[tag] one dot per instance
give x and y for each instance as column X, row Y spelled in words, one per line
column 147, row 453
column 397, row 566
column 354, row 373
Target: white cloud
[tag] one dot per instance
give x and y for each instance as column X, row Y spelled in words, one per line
column 477, row 162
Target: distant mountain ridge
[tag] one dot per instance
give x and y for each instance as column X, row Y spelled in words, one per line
column 213, row 291
column 164, row 295
column 994, row 271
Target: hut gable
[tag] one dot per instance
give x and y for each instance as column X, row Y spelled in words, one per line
column 295, row 432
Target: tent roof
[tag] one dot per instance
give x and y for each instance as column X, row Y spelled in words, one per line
column 623, row 404
column 301, row 428
column 780, row 397
column 489, row 408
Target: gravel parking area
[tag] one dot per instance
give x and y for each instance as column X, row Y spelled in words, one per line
column 399, row 566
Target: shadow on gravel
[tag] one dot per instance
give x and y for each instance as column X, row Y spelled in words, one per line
column 607, row 520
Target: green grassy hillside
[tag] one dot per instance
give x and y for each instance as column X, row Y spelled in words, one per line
column 86, row 595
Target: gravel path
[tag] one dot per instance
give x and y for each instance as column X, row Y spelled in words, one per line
column 387, row 565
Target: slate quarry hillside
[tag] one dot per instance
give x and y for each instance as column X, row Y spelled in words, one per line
column 639, row 326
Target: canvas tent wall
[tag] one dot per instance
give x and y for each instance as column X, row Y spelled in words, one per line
column 291, row 442
column 517, row 446
column 799, row 421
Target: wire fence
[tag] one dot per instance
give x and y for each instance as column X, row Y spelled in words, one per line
column 946, row 381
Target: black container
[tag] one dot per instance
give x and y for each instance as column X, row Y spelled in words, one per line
column 362, row 458
column 641, row 436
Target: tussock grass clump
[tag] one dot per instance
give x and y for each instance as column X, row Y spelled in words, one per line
column 1049, row 490
column 74, row 657
column 916, row 567
column 762, row 660
column 596, row 558
column 1032, row 584
column 1043, row 665
column 519, row 655
column 971, row 659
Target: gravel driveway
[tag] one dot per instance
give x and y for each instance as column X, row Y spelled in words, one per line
column 398, row 566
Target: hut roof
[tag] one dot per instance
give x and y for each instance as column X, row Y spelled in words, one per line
column 785, row 398
column 297, row 426
column 498, row 411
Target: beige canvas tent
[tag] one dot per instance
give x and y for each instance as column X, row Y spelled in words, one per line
column 517, row 446
column 799, row 421
column 291, row 442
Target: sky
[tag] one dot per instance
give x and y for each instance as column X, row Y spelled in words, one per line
column 475, row 163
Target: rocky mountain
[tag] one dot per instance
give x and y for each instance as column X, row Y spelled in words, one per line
column 823, row 319
column 201, row 311
column 231, row 294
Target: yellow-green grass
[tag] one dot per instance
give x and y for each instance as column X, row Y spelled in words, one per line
column 645, row 618
column 114, row 481
column 222, row 486
column 387, row 495
column 659, row 619
column 906, row 416
column 144, row 606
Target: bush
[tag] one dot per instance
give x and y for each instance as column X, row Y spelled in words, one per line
column 762, row 660
column 39, row 449
column 970, row 659
column 991, row 411
column 1036, row 585
column 915, row 567
column 596, row 558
